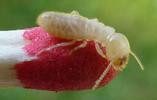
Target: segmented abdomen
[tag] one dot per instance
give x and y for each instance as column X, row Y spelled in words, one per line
column 74, row 26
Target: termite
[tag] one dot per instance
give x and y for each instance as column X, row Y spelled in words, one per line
column 78, row 28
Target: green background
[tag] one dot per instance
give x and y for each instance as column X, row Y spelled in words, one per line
column 137, row 19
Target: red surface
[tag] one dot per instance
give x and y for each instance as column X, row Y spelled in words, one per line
column 57, row 70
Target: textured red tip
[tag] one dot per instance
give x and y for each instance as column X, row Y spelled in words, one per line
column 57, row 70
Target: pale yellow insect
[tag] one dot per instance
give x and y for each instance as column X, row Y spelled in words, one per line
column 76, row 27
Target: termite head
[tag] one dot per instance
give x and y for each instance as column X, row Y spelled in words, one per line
column 118, row 51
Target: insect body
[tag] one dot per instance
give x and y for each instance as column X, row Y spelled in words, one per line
column 76, row 27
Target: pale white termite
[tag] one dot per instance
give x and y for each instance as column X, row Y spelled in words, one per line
column 76, row 27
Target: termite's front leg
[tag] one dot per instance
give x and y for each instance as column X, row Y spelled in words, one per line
column 99, row 50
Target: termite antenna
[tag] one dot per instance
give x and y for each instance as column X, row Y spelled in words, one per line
column 98, row 81
column 137, row 59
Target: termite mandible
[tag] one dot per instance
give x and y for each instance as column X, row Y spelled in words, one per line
column 78, row 28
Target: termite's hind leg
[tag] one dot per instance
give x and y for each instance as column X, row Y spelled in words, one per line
column 99, row 80
column 56, row 46
column 99, row 50
column 82, row 45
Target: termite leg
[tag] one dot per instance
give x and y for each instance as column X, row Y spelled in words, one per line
column 98, row 81
column 56, row 46
column 82, row 45
column 99, row 50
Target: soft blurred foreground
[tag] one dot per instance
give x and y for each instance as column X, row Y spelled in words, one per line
column 137, row 19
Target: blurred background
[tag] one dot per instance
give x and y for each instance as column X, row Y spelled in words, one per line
column 137, row 19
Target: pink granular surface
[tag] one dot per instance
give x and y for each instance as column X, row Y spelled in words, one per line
column 57, row 69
